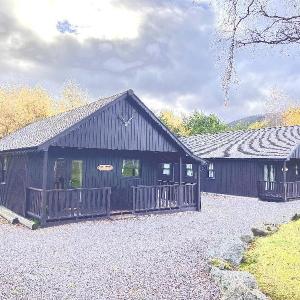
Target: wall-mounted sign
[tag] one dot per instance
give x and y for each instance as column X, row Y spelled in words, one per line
column 105, row 168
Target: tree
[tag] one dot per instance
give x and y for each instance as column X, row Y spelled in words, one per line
column 22, row 105
column 174, row 122
column 291, row 116
column 199, row 123
column 244, row 23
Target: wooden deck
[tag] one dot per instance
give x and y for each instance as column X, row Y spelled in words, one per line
column 278, row 191
column 67, row 204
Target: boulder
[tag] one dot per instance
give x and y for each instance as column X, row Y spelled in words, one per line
column 237, row 285
column 264, row 230
column 235, row 253
column 247, row 238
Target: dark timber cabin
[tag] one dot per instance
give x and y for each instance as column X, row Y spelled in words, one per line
column 105, row 157
column 262, row 163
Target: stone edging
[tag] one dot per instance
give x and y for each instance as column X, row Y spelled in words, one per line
column 238, row 285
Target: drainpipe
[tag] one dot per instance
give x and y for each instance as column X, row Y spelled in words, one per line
column 284, row 181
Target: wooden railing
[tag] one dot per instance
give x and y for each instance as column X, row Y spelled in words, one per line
column 268, row 190
column 161, row 197
column 293, row 190
column 69, row 203
column 278, row 191
column 34, row 203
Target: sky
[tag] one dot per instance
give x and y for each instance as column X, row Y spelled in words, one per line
column 164, row 50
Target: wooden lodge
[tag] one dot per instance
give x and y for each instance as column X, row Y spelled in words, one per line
column 110, row 156
column 262, row 163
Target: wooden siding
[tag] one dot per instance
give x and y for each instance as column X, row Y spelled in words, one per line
column 93, row 178
column 106, row 130
column 238, row 177
column 23, row 170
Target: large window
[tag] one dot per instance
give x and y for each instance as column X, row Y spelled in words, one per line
column 166, row 169
column 189, row 170
column 211, row 170
column 76, row 174
column 3, row 169
column 131, row 168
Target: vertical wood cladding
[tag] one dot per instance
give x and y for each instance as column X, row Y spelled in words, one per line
column 93, row 178
column 120, row 126
column 238, row 176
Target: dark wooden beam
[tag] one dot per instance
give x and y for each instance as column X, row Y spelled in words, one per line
column 44, row 187
column 284, row 182
column 198, row 200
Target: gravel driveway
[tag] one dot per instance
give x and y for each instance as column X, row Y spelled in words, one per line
column 150, row 257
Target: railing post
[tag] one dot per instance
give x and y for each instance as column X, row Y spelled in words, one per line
column 133, row 199
column 44, row 188
column 180, row 198
column 108, row 203
column 284, row 182
column 198, row 193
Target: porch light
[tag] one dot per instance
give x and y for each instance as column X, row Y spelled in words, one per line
column 285, row 170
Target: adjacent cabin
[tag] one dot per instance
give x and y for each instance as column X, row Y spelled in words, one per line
column 110, row 156
column 262, row 163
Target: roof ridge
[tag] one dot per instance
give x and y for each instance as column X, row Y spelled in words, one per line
column 241, row 130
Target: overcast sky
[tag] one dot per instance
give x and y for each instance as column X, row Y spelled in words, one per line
column 164, row 52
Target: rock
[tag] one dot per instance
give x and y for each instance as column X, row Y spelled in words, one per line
column 235, row 254
column 247, row 238
column 264, row 230
column 237, row 285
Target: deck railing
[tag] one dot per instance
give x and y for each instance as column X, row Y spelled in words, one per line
column 278, row 190
column 69, row 203
column 162, row 197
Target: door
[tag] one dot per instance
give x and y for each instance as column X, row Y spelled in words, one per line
column 269, row 177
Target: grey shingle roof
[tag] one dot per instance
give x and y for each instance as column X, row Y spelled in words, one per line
column 37, row 133
column 272, row 142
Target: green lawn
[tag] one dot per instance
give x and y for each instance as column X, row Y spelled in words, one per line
column 275, row 262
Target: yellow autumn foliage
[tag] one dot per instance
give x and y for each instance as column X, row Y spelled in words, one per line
column 22, row 105
column 291, row 116
column 174, row 122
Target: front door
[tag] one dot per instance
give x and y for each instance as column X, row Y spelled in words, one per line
column 269, row 176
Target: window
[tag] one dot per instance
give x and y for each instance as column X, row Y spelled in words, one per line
column 131, row 168
column 296, row 170
column 189, row 170
column 59, row 173
column 269, row 177
column 211, row 170
column 166, row 169
column 3, row 169
column 76, row 175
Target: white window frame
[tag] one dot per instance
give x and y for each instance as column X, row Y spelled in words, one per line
column 211, row 170
column 166, row 169
column 189, row 172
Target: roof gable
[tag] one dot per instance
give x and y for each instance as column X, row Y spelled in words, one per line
column 37, row 133
column 46, row 132
column 272, row 142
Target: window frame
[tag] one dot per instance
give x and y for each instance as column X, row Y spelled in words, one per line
column 139, row 168
column 4, row 167
column 189, row 168
column 167, row 169
column 81, row 173
column 211, row 172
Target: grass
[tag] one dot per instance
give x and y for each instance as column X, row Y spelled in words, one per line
column 275, row 262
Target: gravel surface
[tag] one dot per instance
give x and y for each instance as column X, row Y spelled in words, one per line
column 150, row 257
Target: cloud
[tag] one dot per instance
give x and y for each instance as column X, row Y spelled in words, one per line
column 164, row 53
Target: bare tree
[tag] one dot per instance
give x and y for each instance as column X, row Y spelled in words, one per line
column 244, row 23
